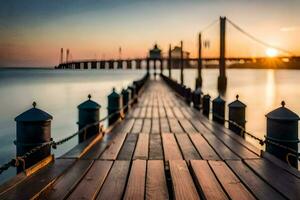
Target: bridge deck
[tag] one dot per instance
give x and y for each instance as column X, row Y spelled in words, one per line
column 162, row 150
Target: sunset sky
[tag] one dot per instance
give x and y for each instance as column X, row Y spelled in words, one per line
column 33, row 31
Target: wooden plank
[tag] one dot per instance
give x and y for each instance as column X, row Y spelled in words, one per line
column 235, row 146
column 141, row 150
column 205, row 150
column 99, row 147
column 128, row 147
column 136, row 112
column 68, row 181
column 231, row 184
column 281, row 180
column 187, row 126
column 187, row 148
column 137, row 127
column 206, row 180
column 164, row 125
column 175, row 126
column 143, row 112
column 182, row 182
column 155, row 147
column 281, row 164
column 114, row 147
column 136, row 182
column 178, row 113
column 38, row 181
column 169, row 112
column 149, row 112
column 170, row 147
column 115, row 182
column 155, row 113
column 146, row 126
column 155, row 126
column 222, row 150
column 259, row 188
column 92, row 181
column 162, row 112
column 156, row 185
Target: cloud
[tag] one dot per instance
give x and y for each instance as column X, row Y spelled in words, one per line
column 290, row 28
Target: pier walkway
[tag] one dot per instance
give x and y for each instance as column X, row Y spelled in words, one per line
column 163, row 149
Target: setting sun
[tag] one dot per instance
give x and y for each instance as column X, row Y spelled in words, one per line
column 271, row 52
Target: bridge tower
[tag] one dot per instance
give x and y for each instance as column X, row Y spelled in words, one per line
column 67, row 56
column 199, row 78
column 222, row 79
column 181, row 63
column 61, row 56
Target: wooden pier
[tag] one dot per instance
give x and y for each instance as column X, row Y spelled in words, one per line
column 163, row 149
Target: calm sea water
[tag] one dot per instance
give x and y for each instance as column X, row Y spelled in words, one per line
column 60, row 91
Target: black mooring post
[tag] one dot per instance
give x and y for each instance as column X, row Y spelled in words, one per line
column 113, row 107
column 222, row 79
column 282, row 129
column 33, row 129
column 199, row 78
column 206, row 105
column 218, row 110
column 237, row 114
column 181, row 63
column 148, row 66
column 88, row 113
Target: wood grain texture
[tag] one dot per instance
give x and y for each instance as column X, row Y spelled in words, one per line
column 231, row 184
column 115, row 182
column 92, row 181
column 187, row 148
column 155, row 147
column 170, row 147
column 206, row 180
column 136, row 182
column 142, row 147
column 182, row 182
column 205, row 150
column 128, row 147
column 156, row 185
column 146, row 126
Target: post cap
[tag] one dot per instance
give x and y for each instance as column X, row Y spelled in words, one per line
column 89, row 104
column 206, row 96
column 237, row 103
column 114, row 94
column 218, row 100
column 198, row 91
column 33, row 115
column 282, row 113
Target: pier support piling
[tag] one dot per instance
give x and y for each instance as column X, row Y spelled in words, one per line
column 222, row 79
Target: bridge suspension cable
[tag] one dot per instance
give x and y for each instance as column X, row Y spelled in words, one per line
column 258, row 40
column 209, row 25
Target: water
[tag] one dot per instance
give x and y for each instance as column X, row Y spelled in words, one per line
column 262, row 90
column 60, row 91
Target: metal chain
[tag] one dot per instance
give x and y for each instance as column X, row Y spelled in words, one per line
column 15, row 162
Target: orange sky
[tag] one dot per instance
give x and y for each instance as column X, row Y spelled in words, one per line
column 33, row 36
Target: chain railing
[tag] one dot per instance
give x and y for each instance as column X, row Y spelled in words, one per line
column 15, row 162
column 261, row 141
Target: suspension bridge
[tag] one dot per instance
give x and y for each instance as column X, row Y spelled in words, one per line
column 160, row 143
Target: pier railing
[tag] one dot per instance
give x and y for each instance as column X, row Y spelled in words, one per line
column 120, row 113
column 283, row 148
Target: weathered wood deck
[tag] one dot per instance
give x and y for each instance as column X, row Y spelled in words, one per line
column 162, row 150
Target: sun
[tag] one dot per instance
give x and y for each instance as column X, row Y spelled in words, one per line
column 271, row 52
